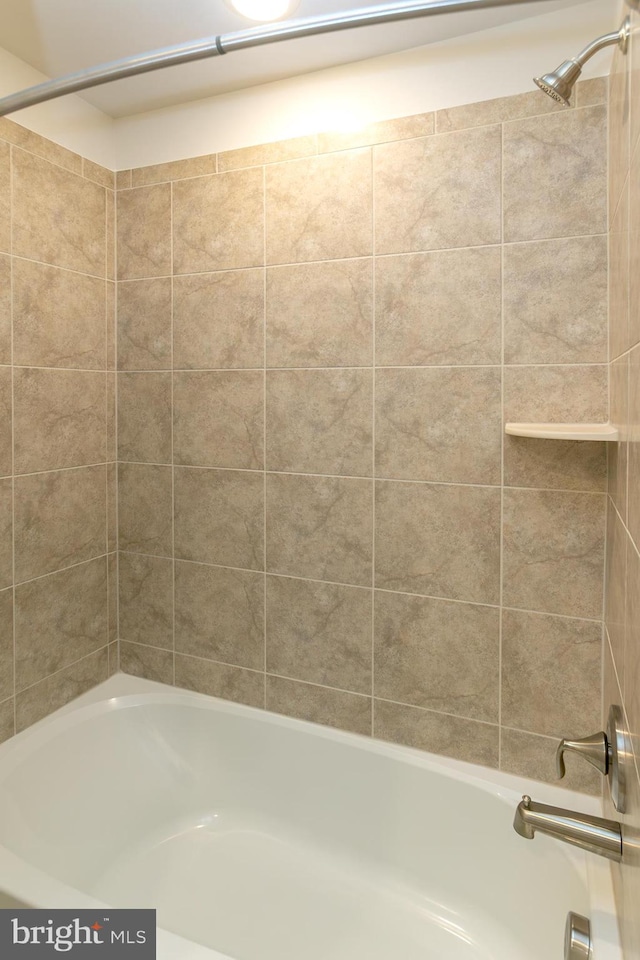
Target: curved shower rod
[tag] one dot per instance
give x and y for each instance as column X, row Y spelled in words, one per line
column 226, row 43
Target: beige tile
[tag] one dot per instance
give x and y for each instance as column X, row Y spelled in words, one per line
column 21, row 136
column 7, row 725
column 148, row 662
column 111, row 235
column 320, row 314
column 436, row 654
column 619, row 287
column 220, row 614
column 144, row 325
column 60, row 520
column 6, row 456
column 175, row 170
column 438, row 192
column 551, row 674
column 123, row 179
column 113, row 659
column 615, row 588
column 631, row 655
column 5, row 197
column 439, row 424
column 60, row 619
column 634, row 95
column 531, row 756
column 59, row 418
column 5, row 309
column 99, row 174
column 6, row 534
column 555, row 301
column 55, row 691
column 553, row 551
column 146, row 600
column 58, row 317
column 619, row 127
column 592, row 91
column 555, row 175
column 144, row 417
column 320, row 421
column 112, row 417
column 144, row 508
column 332, row 708
column 530, row 104
column 438, row 540
column 112, row 587
column 438, row 733
column 219, row 320
column 404, row 128
column 112, row 326
column 144, row 232
column 58, row 217
column 319, row 632
column 220, row 680
column 218, row 419
column 112, row 507
column 633, row 505
column 218, row 222
column 6, row 644
column 618, row 453
column 555, row 464
column 219, row 517
column 634, row 247
column 319, row 208
column 268, row 153
column 320, row 527
column 417, row 296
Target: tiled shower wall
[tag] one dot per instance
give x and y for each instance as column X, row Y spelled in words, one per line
column 318, row 344
column 57, row 452
column 622, row 652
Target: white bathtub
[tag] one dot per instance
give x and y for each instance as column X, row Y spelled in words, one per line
column 258, row 837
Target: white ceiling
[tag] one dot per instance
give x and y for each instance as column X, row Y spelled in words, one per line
column 61, row 36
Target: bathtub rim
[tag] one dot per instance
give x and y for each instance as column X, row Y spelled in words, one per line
column 123, row 691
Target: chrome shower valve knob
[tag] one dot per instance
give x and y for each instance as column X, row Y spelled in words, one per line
column 593, row 749
column 609, row 752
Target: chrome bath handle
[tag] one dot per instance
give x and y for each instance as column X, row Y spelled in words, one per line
column 609, row 752
column 593, row 749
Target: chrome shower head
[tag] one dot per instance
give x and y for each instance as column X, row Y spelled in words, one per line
column 559, row 84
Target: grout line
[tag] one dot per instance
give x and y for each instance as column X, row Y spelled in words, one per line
column 71, row 566
column 336, row 368
column 67, row 666
column 56, row 266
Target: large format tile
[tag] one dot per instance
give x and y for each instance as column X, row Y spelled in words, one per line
column 255, row 156
column 58, row 317
column 439, row 424
column 320, row 314
column 219, row 320
column 436, row 654
column 5, row 309
column 6, row 534
column 498, row 110
column 58, row 217
column 6, row 420
column 55, row 691
column 634, row 245
column 320, row 421
column 219, row 517
column 333, row 708
column 424, row 315
column 59, row 419
column 319, row 208
column 402, row 128
column 60, row 520
column 218, row 418
column 631, row 656
column 438, row 192
column 220, row 614
column 144, row 232
column 152, row 663
column 616, row 601
column 5, row 197
column 620, row 393
column 60, row 619
column 144, row 324
column 144, row 417
column 6, row 644
column 534, row 757
column 555, row 301
column 146, row 600
column 620, row 240
column 144, row 508
column 553, row 551
column 619, row 116
column 319, row 632
column 220, row 680
column 438, row 540
column 320, row 527
column 633, row 505
column 551, row 675
column 174, row 170
column 555, row 175
column 7, row 719
column 437, row 732
column 218, row 222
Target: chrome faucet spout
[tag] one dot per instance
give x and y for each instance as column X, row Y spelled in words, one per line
column 603, row 837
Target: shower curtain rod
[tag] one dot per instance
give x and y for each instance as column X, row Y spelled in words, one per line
column 226, row 43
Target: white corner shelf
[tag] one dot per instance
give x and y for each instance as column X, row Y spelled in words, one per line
column 564, row 431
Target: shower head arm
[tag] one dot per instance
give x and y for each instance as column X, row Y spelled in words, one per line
column 620, row 37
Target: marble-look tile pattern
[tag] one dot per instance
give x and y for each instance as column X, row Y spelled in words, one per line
column 534, row 757
column 5, row 197
column 174, row 170
column 220, row 680
column 146, row 600
column 55, row 691
column 267, row 153
column 333, row 708
column 144, row 417
column 144, row 324
column 6, row 533
column 6, row 422
column 152, row 663
column 6, row 645
column 5, row 309
column 145, row 508
column 144, row 241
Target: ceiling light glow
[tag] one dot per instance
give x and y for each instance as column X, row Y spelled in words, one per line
column 263, row 10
